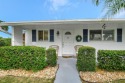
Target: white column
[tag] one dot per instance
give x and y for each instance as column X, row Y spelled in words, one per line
column 17, row 36
column 28, row 37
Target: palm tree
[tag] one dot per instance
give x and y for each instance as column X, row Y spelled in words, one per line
column 4, row 27
column 113, row 6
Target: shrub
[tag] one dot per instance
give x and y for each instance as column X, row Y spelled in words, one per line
column 86, row 60
column 5, row 41
column 111, row 59
column 22, row 57
column 2, row 43
column 51, row 57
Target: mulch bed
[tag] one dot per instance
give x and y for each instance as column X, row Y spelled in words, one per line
column 101, row 76
column 46, row 73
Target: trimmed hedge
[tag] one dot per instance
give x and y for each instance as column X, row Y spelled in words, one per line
column 51, row 57
column 86, row 60
column 111, row 59
column 22, row 57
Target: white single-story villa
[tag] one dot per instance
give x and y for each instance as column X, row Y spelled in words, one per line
column 100, row 34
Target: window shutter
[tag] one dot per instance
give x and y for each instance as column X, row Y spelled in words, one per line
column 85, row 35
column 33, row 35
column 51, row 35
column 119, row 35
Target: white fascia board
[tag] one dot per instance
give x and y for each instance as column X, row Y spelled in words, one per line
column 47, row 22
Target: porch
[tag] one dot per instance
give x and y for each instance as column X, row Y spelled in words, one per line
column 63, row 33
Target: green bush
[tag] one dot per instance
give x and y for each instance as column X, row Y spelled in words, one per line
column 22, row 57
column 51, row 57
column 86, row 60
column 111, row 59
column 5, row 41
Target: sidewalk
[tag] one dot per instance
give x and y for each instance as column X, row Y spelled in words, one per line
column 67, row 72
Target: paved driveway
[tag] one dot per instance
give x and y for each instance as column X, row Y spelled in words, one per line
column 67, row 72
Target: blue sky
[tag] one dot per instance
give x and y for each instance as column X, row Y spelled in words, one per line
column 35, row 10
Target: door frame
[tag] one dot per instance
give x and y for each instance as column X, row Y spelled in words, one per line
column 72, row 32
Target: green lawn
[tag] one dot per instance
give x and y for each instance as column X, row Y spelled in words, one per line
column 15, row 79
column 118, row 81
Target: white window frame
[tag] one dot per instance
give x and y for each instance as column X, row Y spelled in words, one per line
column 113, row 34
column 101, row 34
column 95, row 40
column 43, row 35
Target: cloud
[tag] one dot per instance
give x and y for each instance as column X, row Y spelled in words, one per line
column 102, row 14
column 57, row 5
column 120, row 14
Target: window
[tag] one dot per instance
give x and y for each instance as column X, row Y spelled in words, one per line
column 95, row 34
column 105, row 35
column 108, row 35
column 43, row 35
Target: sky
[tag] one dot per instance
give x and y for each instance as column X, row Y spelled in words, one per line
column 38, row 10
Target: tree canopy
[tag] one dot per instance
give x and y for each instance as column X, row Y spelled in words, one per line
column 113, row 6
column 4, row 27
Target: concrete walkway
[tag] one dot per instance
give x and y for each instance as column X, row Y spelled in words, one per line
column 67, row 72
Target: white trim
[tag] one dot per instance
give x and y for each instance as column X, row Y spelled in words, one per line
column 73, row 43
column 43, row 35
column 102, row 35
column 59, row 22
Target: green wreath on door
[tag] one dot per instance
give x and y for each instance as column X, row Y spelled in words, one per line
column 78, row 38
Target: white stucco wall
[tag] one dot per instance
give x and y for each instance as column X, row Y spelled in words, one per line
column 109, row 45
column 17, row 36
column 78, row 30
column 45, row 44
column 28, row 37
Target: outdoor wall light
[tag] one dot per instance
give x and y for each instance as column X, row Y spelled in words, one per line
column 57, row 33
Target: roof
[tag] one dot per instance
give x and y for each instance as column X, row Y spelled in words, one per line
column 60, row 22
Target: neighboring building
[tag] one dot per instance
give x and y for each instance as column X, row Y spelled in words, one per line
column 98, row 33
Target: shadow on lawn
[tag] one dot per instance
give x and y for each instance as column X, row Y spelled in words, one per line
column 18, row 79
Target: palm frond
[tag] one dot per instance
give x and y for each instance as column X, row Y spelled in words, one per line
column 97, row 2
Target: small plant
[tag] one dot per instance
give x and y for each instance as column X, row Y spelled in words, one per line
column 51, row 57
column 86, row 60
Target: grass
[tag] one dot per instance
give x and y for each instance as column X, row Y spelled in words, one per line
column 117, row 81
column 17, row 79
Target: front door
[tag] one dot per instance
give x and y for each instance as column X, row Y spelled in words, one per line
column 68, row 43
